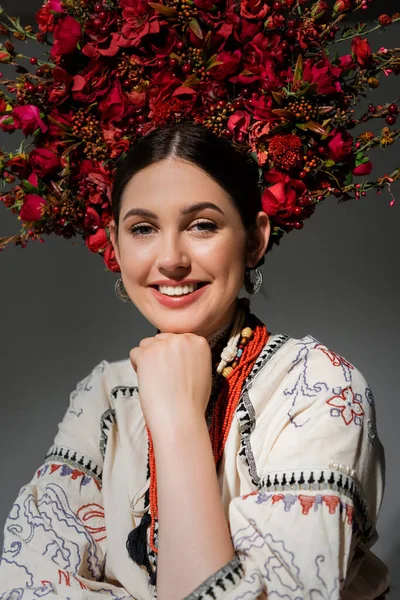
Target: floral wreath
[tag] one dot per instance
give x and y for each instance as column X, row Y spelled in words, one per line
column 267, row 74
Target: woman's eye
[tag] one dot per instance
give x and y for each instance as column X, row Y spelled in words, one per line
column 140, row 230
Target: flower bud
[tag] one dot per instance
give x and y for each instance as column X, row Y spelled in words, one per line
column 319, row 9
column 341, row 5
column 5, row 57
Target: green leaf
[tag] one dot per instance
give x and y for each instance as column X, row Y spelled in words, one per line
column 195, row 27
column 279, row 98
column 176, row 56
column 329, row 163
column 313, row 126
column 164, row 10
column 31, row 189
column 282, row 112
column 191, row 80
column 298, row 71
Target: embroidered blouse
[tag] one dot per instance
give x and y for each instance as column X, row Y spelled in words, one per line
column 301, row 481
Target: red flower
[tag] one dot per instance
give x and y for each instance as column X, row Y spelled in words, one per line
column 140, row 20
column 44, row 18
column 279, row 200
column 114, row 105
column 362, row 51
column 238, row 125
column 67, row 34
column 32, row 207
column 254, row 9
column 110, row 260
column 363, row 169
column 44, row 162
column 93, row 83
column 323, row 74
column 28, row 119
column 340, row 145
column 230, row 62
column 59, row 90
column 98, row 240
column 346, row 62
column 285, row 151
column 18, row 166
column 384, row 20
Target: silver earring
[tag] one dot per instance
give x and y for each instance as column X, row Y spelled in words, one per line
column 250, row 287
column 120, row 291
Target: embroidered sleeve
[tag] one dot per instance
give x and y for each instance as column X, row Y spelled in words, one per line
column 307, row 527
column 54, row 536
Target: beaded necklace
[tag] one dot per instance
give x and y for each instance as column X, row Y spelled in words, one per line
column 235, row 365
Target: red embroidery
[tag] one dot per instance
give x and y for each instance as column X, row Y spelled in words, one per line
column 277, row 497
column 95, row 512
column 347, row 404
column 349, row 513
column 306, row 503
column 332, row 502
column 64, row 575
column 248, row 495
column 335, row 359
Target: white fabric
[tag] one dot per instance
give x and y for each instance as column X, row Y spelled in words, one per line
column 305, row 419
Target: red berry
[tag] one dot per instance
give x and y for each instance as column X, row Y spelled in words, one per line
column 97, row 23
column 285, row 45
column 173, row 62
column 297, row 210
column 302, row 174
column 160, row 63
column 390, row 119
column 125, row 130
column 126, row 83
column 103, row 29
column 298, row 225
column 246, row 92
column 98, row 8
column 40, row 88
column 40, row 72
column 102, row 15
column 291, row 23
column 277, row 5
column 393, row 109
column 180, row 45
column 33, row 60
column 141, row 119
column 291, row 33
column 321, row 150
column 131, row 121
column 238, row 103
column 186, row 67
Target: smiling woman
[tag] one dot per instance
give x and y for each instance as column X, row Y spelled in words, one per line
column 220, row 460
column 195, row 211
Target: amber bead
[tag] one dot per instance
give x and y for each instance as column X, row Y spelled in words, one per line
column 247, row 333
column 227, row 371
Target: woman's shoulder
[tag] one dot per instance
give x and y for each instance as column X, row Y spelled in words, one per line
column 300, row 372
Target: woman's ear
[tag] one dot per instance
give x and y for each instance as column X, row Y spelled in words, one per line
column 259, row 239
column 114, row 240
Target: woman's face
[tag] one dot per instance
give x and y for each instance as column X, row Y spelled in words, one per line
column 180, row 242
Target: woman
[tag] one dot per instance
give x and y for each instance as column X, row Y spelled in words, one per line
column 220, row 460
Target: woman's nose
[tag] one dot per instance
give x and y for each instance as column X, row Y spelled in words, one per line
column 172, row 253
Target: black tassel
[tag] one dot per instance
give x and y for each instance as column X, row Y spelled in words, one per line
column 153, row 578
column 136, row 544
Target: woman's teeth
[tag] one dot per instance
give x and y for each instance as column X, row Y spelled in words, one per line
column 178, row 290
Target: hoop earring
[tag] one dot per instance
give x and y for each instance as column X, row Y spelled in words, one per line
column 120, row 291
column 250, row 287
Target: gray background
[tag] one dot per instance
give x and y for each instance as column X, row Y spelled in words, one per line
column 337, row 279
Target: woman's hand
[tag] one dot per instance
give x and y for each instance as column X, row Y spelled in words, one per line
column 174, row 378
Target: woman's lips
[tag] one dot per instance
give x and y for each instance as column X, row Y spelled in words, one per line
column 178, row 301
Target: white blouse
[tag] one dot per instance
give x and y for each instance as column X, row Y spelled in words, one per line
column 301, row 481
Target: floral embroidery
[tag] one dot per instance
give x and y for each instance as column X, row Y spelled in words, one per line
column 348, row 405
column 337, row 360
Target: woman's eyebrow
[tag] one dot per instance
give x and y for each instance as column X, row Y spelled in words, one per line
column 184, row 211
